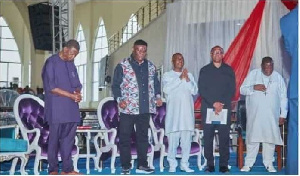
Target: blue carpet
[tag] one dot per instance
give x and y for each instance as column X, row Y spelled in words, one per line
column 258, row 168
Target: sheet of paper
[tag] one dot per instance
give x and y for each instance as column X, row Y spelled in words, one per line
column 213, row 118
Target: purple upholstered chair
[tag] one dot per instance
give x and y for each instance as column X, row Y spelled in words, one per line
column 29, row 113
column 108, row 117
column 160, row 141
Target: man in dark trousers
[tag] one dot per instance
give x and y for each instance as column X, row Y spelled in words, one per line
column 216, row 87
column 137, row 91
column 62, row 94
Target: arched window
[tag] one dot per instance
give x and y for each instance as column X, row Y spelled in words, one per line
column 10, row 62
column 130, row 29
column 100, row 51
column 81, row 60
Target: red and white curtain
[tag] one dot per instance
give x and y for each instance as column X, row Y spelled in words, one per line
column 248, row 30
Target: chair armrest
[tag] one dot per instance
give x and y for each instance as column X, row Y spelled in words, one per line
column 158, row 135
column 161, row 136
column 76, row 140
column 198, row 135
column 105, row 136
column 34, row 144
column 37, row 136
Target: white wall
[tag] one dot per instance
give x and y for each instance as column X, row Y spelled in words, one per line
column 154, row 34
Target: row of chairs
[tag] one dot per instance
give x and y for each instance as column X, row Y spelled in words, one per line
column 29, row 114
column 108, row 117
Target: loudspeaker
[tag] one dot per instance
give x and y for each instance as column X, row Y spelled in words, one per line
column 40, row 16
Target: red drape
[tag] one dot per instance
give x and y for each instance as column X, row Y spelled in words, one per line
column 290, row 4
column 240, row 52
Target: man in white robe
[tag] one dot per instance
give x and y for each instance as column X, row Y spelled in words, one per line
column 179, row 86
column 266, row 102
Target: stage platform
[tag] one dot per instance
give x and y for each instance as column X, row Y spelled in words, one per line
column 258, row 168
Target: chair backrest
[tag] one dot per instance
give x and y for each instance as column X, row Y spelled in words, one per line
column 159, row 118
column 29, row 113
column 108, row 114
column 241, row 114
column 108, row 117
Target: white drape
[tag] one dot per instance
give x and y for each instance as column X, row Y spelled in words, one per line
column 270, row 42
column 195, row 26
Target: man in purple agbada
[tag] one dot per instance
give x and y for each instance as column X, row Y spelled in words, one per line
column 62, row 94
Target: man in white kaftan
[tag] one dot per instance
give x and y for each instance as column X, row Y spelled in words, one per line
column 266, row 102
column 179, row 86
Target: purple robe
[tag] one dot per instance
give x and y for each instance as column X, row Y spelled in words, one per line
column 58, row 73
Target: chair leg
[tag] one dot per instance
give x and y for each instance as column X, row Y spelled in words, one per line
column 161, row 159
column 75, row 162
column 132, row 163
column 96, row 160
column 36, row 165
column 279, row 157
column 240, row 152
column 151, row 158
column 40, row 165
column 113, row 159
column 24, row 160
column 13, row 166
column 199, row 161
column 205, row 160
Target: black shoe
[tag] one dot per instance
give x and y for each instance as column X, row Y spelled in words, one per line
column 125, row 171
column 224, row 169
column 144, row 170
column 210, row 169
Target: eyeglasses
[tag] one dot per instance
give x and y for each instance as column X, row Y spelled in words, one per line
column 217, row 53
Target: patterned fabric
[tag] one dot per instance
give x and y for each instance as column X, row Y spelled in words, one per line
column 130, row 88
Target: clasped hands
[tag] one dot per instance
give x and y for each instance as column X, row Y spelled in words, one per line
column 184, row 75
column 260, row 87
column 218, row 106
column 76, row 96
column 123, row 104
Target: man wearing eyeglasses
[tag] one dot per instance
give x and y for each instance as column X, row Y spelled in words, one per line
column 216, row 87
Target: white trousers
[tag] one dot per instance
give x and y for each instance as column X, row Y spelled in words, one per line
column 268, row 150
column 185, row 138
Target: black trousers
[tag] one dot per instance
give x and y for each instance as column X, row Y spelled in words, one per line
column 223, row 132
column 127, row 123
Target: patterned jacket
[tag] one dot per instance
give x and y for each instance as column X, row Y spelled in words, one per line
column 129, row 88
